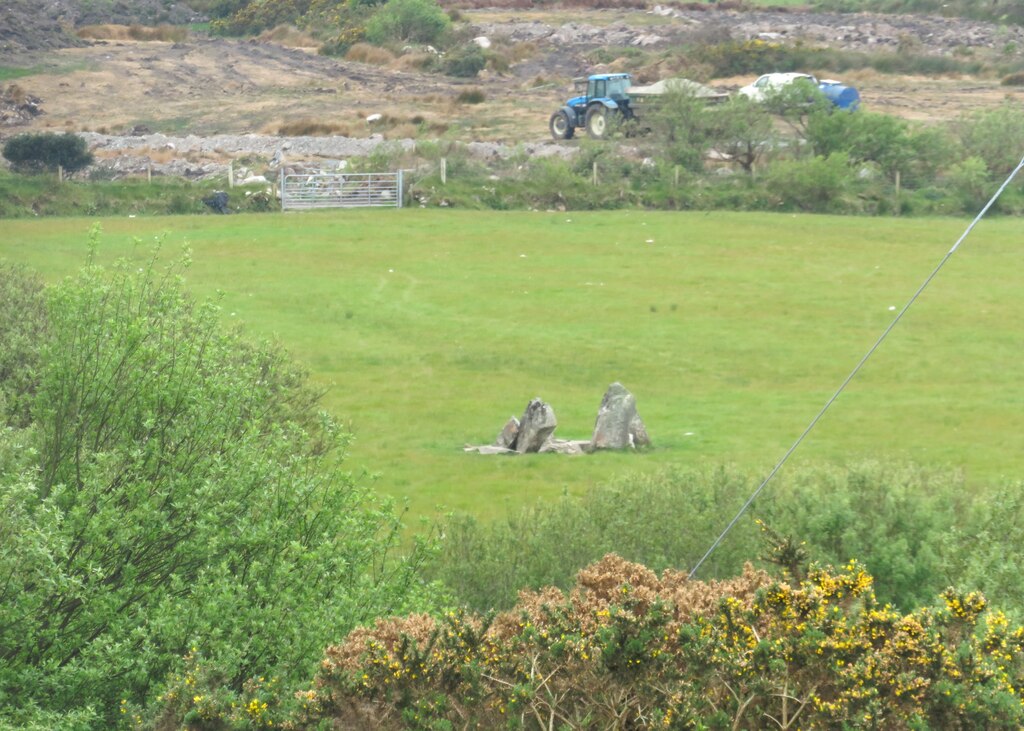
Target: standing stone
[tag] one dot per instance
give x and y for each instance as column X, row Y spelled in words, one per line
column 507, row 437
column 535, row 427
column 618, row 424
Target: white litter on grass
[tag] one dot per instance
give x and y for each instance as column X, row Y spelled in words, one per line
column 568, row 220
column 688, row 434
column 522, row 256
column 131, row 215
column 650, row 241
column 892, row 308
column 391, row 271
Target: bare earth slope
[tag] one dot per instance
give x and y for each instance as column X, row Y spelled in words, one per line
column 217, row 86
column 45, row 24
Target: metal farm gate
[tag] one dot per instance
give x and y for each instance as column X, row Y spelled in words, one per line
column 341, row 190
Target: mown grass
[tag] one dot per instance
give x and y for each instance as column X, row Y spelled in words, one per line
column 731, row 329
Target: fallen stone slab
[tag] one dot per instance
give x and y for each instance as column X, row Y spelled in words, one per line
column 572, row 447
column 488, row 449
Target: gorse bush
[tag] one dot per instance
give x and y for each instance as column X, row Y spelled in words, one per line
column 176, row 489
column 47, row 151
column 627, row 648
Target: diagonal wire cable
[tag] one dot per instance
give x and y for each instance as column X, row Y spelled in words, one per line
column 857, row 368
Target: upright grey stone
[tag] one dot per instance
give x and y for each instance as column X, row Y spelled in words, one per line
column 535, row 427
column 507, row 437
column 618, row 424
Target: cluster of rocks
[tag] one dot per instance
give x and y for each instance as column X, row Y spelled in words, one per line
column 17, row 107
column 127, row 165
column 618, row 426
column 133, row 153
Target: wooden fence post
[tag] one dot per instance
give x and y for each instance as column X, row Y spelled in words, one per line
column 444, row 171
column 897, row 192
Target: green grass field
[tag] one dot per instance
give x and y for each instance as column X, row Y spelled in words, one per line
column 732, row 330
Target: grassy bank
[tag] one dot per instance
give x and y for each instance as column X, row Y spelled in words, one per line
column 732, row 330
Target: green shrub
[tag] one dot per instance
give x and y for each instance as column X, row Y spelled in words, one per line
column 471, row 96
column 177, row 490
column 994, row 136
column 46, row 151
column 895, row 145
column 22, row 329
column 815, row 184
column 464, row 62
column 413, row 21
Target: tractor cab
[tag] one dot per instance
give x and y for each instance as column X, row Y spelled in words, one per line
column 600, row 88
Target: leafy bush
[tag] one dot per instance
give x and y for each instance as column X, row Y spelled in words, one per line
column 897, row 518
column 46, row 151
column 464, row 62
column 471, row 96
column 22, row 328
column 414, row 21
column 994, row 136
column 814, row 184
column 177, row 490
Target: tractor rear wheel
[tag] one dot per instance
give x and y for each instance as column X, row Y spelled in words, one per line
column 599, row 121
column 560, row 125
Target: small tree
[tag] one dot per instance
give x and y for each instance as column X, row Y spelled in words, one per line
column 35, row 152
column 683, row 126
column 741, row 129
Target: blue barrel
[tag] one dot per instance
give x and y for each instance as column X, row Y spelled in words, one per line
column 841, row 95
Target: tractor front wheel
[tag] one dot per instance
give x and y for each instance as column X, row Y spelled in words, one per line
column 598, row 121
column 560, row 125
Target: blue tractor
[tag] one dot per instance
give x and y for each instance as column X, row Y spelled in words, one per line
column 602, row 103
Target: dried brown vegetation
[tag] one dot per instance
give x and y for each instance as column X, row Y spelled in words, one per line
column 290, row 36
column 112, row 32
column 367, row 53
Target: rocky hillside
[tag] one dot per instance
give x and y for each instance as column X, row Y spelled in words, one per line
column 27, row 25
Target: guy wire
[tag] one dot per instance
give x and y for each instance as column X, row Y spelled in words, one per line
column 857, row 368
